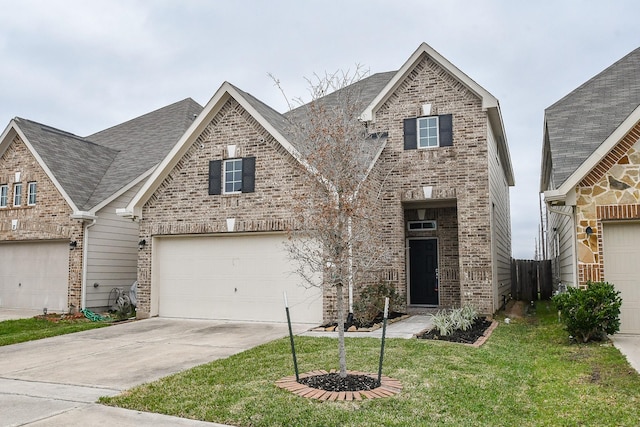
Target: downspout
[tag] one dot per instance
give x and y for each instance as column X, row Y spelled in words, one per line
column 85, row 256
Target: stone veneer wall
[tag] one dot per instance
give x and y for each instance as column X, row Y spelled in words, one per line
column 459, row 172
column 49, row 219
column 611, row 191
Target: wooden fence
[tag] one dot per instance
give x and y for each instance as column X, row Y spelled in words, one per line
column 531, row 280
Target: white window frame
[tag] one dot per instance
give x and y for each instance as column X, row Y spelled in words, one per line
column 236, row 177
column 422, row 225
column 17, row 194
column 432, row 123
column 31, row 193
column 4, row 196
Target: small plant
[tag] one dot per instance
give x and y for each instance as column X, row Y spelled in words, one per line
column 447, row 322
column 590, row 313
column 371, row 301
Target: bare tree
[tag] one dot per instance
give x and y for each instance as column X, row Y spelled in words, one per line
column 336, row 242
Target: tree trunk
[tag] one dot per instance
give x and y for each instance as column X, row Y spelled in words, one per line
column 342, row 353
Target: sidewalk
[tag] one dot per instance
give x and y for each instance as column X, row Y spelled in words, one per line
column 406, row 328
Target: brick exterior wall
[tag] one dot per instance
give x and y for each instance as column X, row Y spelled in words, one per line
column 610, row 192
column 458, row 174
column 49, row 219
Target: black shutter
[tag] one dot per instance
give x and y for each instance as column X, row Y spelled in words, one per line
column 248, row 174
column 215, row 177
column 410, row 134
column 446, row 130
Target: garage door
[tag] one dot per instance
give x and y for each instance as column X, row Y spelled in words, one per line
column 622, row 269
column 232, row 278
column 34, row 275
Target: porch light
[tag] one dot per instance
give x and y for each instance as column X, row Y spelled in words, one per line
column 141, row 244
column 73, row 244
column 589, row 231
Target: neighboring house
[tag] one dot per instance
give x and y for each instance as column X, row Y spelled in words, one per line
column 591, row 182
column 214, row 214
column 62, row 246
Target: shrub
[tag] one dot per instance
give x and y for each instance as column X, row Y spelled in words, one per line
column 447, row 322
column 371, row 302
column 590, row 313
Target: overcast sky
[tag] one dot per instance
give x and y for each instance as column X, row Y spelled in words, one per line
column 83, row 66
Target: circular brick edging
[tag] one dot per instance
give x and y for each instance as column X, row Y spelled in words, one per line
column 388, row 387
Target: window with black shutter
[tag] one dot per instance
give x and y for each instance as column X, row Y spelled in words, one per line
column 428, row 132
column 232, row 176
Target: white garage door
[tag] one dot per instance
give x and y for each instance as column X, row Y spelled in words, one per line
column 622, row 269
column 34, row 275
column 233, row 278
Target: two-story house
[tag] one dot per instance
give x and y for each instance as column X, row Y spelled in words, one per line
column 214, row 214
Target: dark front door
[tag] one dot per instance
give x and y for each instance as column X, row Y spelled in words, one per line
column 423, row 272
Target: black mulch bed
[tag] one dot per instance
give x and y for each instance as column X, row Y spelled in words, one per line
column 466, row 337
column 333, row 382
column 354, row 322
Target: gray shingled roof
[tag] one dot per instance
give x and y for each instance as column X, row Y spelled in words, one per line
column 91, row 169
column 367, row 89
column 581, row 121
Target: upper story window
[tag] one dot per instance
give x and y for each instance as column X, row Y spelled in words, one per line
column 428, row 132
column 232, row 176
column 17, row 194
column 4, row 195
column 31, row 194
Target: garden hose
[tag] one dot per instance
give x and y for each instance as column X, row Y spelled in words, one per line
column 94, row 317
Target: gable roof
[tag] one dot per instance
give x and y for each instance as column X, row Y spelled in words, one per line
column 578, row 129
column 373, row 90
column 88, row 170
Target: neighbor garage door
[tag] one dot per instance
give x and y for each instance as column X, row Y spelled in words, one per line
column 233, row 278
column 622, row 269
column 34, row 275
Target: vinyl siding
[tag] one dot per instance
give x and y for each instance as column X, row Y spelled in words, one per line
column 112, row 253
column 500, row 221
column 560, row 245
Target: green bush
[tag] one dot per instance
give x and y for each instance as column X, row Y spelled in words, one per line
column 371, row 302
column 447, row 322
column 590, row 313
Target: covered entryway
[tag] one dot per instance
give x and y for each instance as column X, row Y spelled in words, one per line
column 423, row 272
column 622, row 269
column 34, row 275
column 238, row 277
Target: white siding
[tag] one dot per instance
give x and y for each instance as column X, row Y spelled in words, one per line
column 560, row 245
column 500, row 221
column 112, row 257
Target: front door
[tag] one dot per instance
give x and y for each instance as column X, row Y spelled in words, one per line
column 423, row 272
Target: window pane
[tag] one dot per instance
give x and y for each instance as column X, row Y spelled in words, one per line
column 428, row 132
column 17, row 194
column 233, row 176
column 32, row 193
column 4, row 192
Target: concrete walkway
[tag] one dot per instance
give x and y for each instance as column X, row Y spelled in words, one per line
column 56, row 381
column 629, row 346
column 406, row 328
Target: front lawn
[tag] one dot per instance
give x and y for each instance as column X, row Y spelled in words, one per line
column 21, row 330
column 526, row 374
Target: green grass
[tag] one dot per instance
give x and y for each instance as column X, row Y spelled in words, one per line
column 21, row 330
column 526, row 374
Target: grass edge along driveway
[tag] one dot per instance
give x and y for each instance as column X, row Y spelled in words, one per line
column 526, row 374
column 22, row 330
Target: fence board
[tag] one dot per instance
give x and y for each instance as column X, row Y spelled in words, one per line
column 531, row 280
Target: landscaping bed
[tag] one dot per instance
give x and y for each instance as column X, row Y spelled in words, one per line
column 478, row 329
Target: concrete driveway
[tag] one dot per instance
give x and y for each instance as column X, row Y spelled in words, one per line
column 55, row 381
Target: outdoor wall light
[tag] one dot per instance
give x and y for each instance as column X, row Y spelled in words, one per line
column 141, row 244
column 589, row 231
column 72, row 244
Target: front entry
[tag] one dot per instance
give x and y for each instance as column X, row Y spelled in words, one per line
column 423, row 272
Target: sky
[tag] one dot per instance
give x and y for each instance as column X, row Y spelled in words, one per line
column 84, row 66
